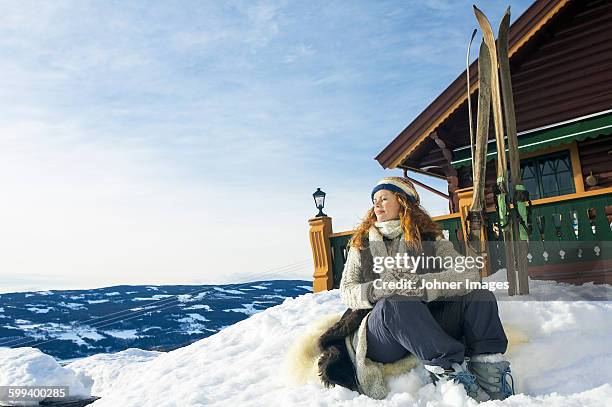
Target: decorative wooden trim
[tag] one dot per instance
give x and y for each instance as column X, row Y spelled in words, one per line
column 320, row 231
column 446, row 152
column 517, row 45
column 451, row 173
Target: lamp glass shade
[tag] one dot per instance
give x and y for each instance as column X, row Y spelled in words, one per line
column 319, row 198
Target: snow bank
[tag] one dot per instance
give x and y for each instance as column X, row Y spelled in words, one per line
column 31, row 367
column 100, row 372
column 561, row 356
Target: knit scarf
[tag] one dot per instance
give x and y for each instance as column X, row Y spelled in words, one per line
column 390, row 229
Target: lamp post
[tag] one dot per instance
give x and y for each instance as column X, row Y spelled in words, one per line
column 319, row 198
column 320, row 232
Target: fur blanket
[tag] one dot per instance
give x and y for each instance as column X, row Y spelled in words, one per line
column 336, row 364
column 318, row 357
column 301, row 360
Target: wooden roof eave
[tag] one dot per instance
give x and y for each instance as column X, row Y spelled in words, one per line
column 521, row 31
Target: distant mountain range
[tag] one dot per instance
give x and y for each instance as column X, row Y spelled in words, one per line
column 70, row 324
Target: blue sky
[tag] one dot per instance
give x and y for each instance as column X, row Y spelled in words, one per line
column 180, row 142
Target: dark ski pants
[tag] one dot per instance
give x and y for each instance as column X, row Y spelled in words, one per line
column 438, row 333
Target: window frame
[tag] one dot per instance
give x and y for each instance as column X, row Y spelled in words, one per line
column 537, row 162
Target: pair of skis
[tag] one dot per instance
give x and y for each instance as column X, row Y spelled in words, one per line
column 495, row 92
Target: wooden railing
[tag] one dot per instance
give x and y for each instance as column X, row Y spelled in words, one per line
column 570, row 240
column 571, row 232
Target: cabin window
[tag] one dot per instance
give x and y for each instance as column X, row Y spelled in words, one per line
column 547, row 175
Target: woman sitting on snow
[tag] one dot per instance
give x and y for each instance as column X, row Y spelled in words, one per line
column 455, row 332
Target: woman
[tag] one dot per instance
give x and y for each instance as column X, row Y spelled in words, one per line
column 420, row 307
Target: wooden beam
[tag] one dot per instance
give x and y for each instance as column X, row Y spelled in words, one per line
column 423, row 172
column 427, row 187
column 451, row 172
column 448, row 155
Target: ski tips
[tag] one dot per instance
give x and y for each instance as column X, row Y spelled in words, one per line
column 479, row 11
column 470, row 43
column 483, row 46
column 504, row 25
column 481, row 17
column 506, row 18
column 467, row 59
column 483, row 55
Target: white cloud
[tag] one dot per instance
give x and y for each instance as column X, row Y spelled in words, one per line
column 298, row 52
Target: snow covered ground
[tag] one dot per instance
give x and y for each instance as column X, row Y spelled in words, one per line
column 561, row 355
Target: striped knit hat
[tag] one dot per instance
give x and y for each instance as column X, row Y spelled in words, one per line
column 398, row 184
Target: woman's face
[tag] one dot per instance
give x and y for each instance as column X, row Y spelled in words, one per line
column 386, row 206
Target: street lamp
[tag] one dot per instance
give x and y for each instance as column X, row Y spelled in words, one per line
column 319, row 198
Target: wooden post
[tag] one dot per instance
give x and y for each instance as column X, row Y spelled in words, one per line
column 450, row 171
column 320, row 230
column 465, row 202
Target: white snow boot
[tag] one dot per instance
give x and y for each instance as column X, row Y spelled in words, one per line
column 492, row 374
column 459, row 374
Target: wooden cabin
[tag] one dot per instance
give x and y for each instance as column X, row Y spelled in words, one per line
column 561, row 69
